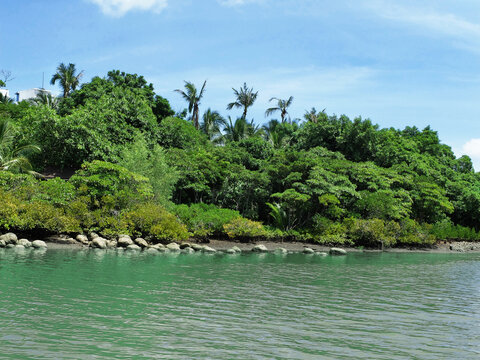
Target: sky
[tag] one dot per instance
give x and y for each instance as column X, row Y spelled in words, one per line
column 397, row 62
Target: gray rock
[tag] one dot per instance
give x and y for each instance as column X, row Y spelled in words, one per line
column 185, row 245
column 39, row 244
column 260, row 248
column 9, row 238
column 188, row 250
column 151, row 250
column 158, row 246
column 93, row 235
column 112, row 244
column 2, row 243
column 231, row 251
column 82, row 239
column 10, row 246
column 281, row 251
column 308, row 250
column 141, row 242
column 197, row 247
column 173, row 247
column 25, row 243
column 99, row 243
column 124, row 241
column 463, row 246
column 208, row 249
column 237, row 249
column 134, row 247
column 337, row 251
column 19, row 247
column 321, row 253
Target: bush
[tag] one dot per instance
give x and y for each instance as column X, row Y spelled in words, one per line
column 242, row 228
column 153, row 221
column 372, row 232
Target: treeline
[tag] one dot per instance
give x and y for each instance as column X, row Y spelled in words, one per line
column 142, row 169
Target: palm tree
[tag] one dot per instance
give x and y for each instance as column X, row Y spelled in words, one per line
column 12, row 156
column 68, row 78
column 240, row 129
column 193, row 97
column 282, row 106
column 245, row 98
column 211, row 124
column 312, row 115
column 45, row 98
column 4, row 99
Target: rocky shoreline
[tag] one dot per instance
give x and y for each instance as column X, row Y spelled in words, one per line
column 125, row 242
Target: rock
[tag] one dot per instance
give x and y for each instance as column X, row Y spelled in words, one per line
column 2, row 243
column 281, row 251
column 237, row 249
column 208, row 249
column 308, row 250
column 173, row 247
column 141, row 242
column 188, row 250
column 82, row 239
column 39, row 244
column 151, row 250
column 9, row 238
column 337, row 251
column 260, row 248
column 134, row 247
column 99, row 243
column 112, row 244
column 124, row 241
column 10, row 246
column 25, row 243
column 462, row 246
column 19, row 247
column 197, row 247
column 321, row 253
column 185, row 245
column 93, row 235
column 231, row 251
column 158, row 246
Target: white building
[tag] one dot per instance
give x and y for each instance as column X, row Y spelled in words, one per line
column 5, row 92
column 30, row 94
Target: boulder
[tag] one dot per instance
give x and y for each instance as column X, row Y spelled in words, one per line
column 158, row 246
column 231, row 251
column 99, row 243
column 19, row 247
column 237, row 249
column 151, row 250
column 2, row 243
column 9, row 238
column 208, row 249
column 337, row 251
column 112, row 244
column 134, row 247
column 197, row 247
column 260, row 248
column 185, row 245
column 25, row 243
column 9, row 246
column 93, row 235
column 308, row 250
column 141, row 242
column 281, row 251
column 124, row 241
column 188, row 250
column 39, row 244
column 321, row 253
column 173, row 247
column 83, row 239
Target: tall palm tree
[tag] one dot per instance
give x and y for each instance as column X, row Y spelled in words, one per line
column 193, row 97
column 44, row 98
column 12, row 156
column 313, row 115
column 282, row 106
column 245, row 98
column 67, row 77
column 211, row 123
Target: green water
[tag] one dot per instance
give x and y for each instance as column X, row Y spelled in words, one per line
column 76, row 304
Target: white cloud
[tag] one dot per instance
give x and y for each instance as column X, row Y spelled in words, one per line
column 119, row 8
column 445, row 23
column 472, row 149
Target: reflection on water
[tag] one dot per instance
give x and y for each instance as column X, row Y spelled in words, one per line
column 106, row 304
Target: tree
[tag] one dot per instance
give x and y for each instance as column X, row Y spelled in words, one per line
column 245, row 98
column 240, row 129
column 67, row 77
column 46, row 99
column 193, row 97
column 13, row 157
column 211, row 124
column 282, row 106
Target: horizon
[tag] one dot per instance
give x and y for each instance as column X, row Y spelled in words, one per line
column 398, row 63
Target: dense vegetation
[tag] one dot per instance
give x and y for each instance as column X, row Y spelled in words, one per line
column 139, row 168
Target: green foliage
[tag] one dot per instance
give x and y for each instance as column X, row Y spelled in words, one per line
column 152, row 221
column 177, row 133
column 242, row 228
column 111, row 185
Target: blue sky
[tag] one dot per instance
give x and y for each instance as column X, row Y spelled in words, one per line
column 397, row 62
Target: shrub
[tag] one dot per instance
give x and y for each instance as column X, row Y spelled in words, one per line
column 42, row 216
column 153, row 221
column 243, row 228
column 372, row 232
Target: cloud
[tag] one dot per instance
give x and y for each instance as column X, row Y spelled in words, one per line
column 444, row 23
column 119, row 8
column 472, row 149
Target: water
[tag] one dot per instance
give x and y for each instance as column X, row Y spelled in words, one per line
column 76, row 304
